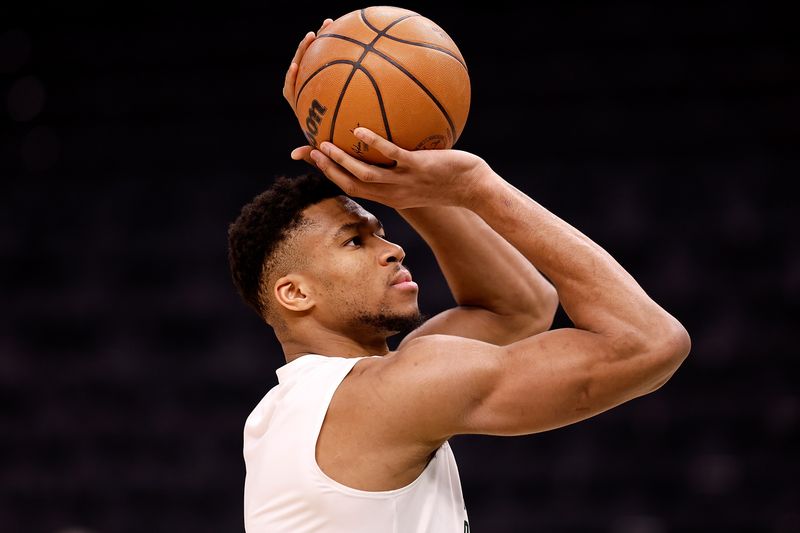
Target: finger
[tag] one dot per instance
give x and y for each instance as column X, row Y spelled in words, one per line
column 301, row 48
column 300, row 152
column 325, row 24
column 350, row 185
column 387, row 148
column 289, row 83
column 361, row 170
column 303, row 153
column 291, row 73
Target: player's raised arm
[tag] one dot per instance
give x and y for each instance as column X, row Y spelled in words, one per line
column 623, row 345
column 474, row 259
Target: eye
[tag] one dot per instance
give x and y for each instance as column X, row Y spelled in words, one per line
column 355, row 241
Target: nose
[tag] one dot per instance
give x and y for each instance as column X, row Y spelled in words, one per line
column 393, row 253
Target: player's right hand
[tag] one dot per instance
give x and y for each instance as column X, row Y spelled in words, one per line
column 419, row 178
column 291, row 73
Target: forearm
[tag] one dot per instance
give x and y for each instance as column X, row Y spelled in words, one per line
column 481, row 268
column 595, row 291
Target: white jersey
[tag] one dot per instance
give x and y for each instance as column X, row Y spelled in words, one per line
column 286, row 491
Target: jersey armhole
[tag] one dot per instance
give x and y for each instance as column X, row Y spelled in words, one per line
column 340, row 487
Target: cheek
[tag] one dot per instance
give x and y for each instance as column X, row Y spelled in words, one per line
column 352, row 269
column 350, row 283
column 344, row 279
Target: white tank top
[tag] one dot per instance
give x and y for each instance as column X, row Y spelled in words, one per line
column 285, row 490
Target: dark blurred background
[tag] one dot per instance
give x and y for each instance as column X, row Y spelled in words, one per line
column 130, row 136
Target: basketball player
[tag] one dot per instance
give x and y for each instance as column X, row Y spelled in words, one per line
column 354, row 438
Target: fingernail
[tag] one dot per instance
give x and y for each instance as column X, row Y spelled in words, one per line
column 358, row 132
column 315, row 155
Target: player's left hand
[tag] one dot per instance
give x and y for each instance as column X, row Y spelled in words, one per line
column 291, row 74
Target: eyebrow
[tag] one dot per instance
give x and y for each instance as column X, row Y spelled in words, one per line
column 351, row 226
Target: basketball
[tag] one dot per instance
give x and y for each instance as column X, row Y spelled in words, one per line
column 387, row 69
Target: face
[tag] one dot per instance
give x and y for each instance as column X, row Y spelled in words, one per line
column 355, row 271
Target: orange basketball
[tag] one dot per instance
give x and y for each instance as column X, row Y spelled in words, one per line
column 390, row 70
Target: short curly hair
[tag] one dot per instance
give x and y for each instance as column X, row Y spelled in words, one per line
column 257, row 236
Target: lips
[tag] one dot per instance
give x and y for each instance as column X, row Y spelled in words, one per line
column 402, row 277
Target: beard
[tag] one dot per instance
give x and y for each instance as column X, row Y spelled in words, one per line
column 390, row 323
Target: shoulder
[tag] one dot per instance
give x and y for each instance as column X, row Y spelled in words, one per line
column 426, row 354
column 426, row 387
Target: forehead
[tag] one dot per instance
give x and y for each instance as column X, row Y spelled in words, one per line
column 330, row 214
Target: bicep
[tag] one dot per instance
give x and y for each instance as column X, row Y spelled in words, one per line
column 558, row 378
column 450, row 385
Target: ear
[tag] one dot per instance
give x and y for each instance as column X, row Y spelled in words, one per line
column 294, row 293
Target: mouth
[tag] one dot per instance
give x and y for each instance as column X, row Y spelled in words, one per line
column 403, row 281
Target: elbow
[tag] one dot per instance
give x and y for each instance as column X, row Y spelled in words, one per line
column 543, row 314
column 684, row 343
column 550, row 304
column 675, row 343
column 669, row 351
column 655, row 352
column 663, row 340
column 534, row 317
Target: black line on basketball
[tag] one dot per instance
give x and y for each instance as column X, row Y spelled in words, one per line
column 341, row 97
column 375, row 29
column 380, row 103
column 431, row 46
column 343, row 37
column 421, row 86
column 357, row 64
column 320, row 69
column 413, row 43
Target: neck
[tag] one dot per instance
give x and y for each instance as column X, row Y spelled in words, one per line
column 331, row 343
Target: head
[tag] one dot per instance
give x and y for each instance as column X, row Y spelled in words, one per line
column 305, row 256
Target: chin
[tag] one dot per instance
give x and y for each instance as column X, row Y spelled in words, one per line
column 392, row 322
